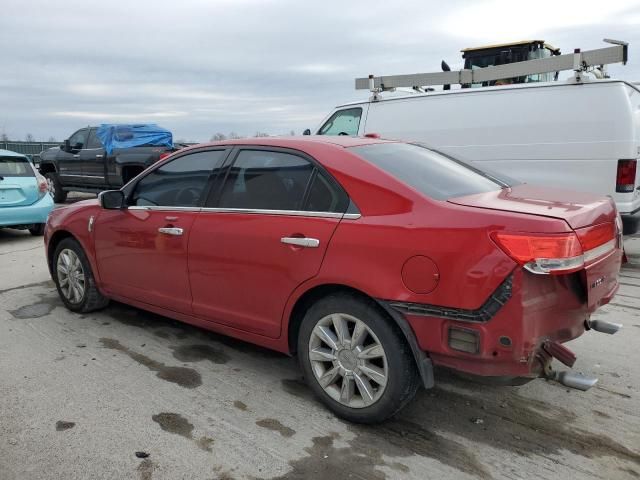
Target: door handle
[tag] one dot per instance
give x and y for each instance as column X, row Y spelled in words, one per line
column 171, row 231
column 301, row 241
column 99, row 156
column 76, row 156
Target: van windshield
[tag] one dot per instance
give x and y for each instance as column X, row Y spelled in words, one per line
column 15, row 167
column 431, row 173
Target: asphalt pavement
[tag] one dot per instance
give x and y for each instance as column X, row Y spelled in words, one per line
column 124, row 394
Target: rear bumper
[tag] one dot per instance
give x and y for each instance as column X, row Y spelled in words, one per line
column 27, row 215
column 540, row 309
column 631, row 222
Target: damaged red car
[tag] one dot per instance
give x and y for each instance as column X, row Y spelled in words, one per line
column 372, row 260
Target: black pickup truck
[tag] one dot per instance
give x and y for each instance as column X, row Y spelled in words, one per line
column 81, row 164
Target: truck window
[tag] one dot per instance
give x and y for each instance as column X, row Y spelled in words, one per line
column 78, row 140
column 429, row 172
column 94, row 141
column 343, row 122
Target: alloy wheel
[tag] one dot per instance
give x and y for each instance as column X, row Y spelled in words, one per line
column 71, row 277
column 348, row 360
column 51, row 186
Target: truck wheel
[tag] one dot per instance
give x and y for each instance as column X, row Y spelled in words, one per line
column 55, row 187
column 37, row 229
column 74, row 278
column 354, row 359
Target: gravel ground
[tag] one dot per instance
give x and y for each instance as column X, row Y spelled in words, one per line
column 81, row 394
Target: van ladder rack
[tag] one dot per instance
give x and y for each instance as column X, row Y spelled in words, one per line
column 579, row 62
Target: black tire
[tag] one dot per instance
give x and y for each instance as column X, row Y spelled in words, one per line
column 402, row 375
column 37, row 229
column 55, row 187
column 92, row 299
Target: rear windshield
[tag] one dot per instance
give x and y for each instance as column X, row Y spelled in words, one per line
column 429, row 172
column 15, row 167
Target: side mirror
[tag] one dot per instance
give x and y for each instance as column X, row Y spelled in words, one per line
column 111, row 199
column 66, row 146
column 307, row 132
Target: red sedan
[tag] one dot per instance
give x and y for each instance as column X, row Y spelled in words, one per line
column 372, row 260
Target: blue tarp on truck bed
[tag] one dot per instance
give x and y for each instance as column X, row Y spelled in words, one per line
column 115, row 136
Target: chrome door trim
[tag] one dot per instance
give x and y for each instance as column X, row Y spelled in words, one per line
column 83, row 176
column 253, row 211
column 301, row 242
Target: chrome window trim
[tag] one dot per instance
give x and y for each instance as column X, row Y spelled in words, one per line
column 292, row 213
column 164, row 209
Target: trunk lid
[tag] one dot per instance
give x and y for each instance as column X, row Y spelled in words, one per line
column 18, row 183
column 577, row 209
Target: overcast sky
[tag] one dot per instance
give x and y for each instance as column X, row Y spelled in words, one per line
column 203, row 66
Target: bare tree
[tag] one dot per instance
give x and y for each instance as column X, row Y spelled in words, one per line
column 234, row 136
column 52, row 139
column 4, row 137
column 29, row 138
column 261, row 134
column 218, row 137
column 292, row 133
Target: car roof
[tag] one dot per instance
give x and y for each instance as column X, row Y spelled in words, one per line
column 298, row 141
column 9, row 153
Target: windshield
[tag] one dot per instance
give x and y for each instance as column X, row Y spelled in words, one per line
column 435, row 175
column 15, row 167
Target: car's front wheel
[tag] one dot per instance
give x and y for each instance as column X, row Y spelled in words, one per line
column 355, row 359
column 74, row 278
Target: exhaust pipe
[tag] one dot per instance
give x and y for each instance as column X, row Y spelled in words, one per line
column 551, row 350
column 604, row 326
column 573, row 380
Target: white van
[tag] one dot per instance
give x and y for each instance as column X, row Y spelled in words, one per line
column 580, row 136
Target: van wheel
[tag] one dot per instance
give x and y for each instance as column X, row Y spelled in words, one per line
column 354, row 359
column 55, row 187
column 37, row 229
column 74, row 278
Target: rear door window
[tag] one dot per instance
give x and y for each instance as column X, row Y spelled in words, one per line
column 266, row 180
column 429, row 172
column 15, row 167
column 94, row 141
column 325, row 196
column 343, row 122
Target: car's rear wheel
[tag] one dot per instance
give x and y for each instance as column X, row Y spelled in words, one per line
column 355, row 360
column 74, row 278
column 55, row 187
column 37, row 229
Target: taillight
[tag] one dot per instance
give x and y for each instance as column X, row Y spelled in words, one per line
column 626, row 176
column 592, row 237
column 42, row 186
column 557, row 253
column 164, row 155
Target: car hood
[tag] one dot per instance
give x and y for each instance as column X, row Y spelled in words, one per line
column 576, row 208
